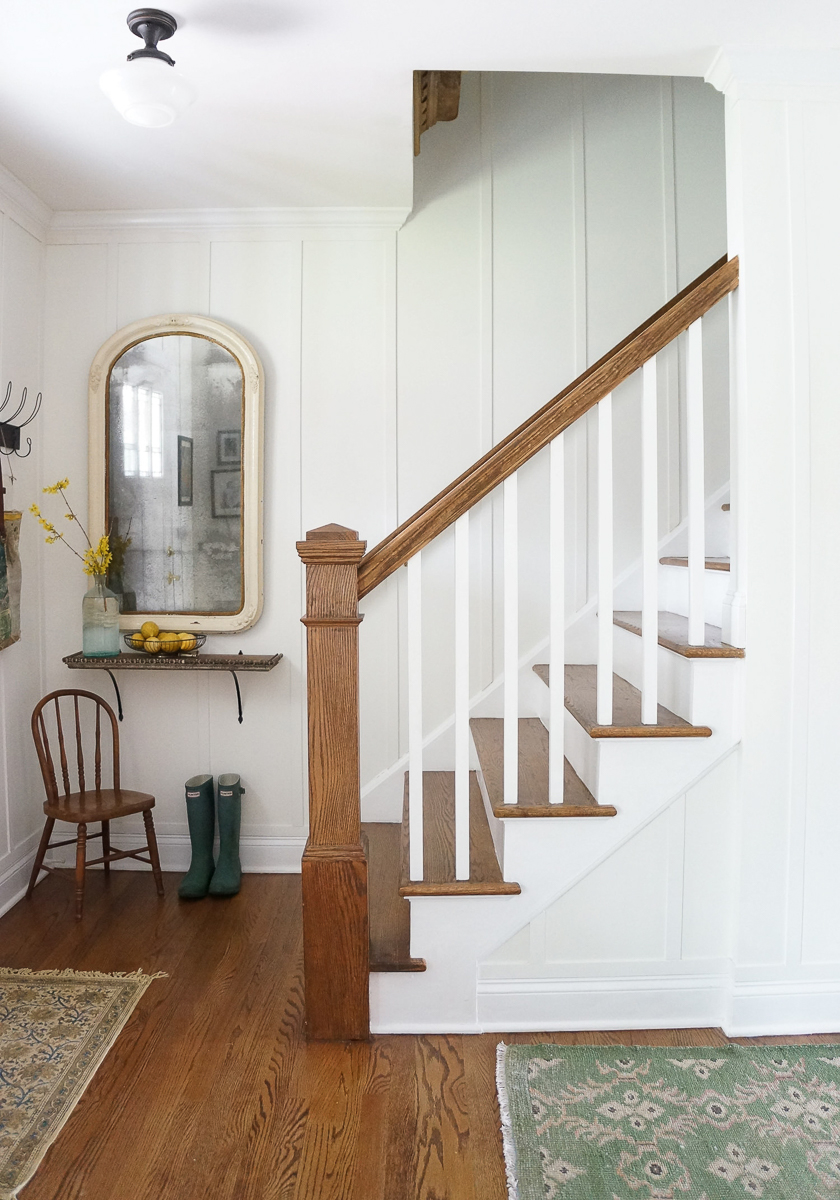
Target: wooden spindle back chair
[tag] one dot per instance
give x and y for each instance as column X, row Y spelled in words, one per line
column 75, row 793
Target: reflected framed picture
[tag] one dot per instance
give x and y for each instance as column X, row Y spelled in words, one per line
column 226, row 492
column 229, row 447
column 185, row 471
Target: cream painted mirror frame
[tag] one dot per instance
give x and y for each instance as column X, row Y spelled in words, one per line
column 252, row 457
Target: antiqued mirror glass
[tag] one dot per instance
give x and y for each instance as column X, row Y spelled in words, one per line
column 177, row 413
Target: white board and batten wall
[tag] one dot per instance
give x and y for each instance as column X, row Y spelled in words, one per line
column 551, row 217
column 393, row 360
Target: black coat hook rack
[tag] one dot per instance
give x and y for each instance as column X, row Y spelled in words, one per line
column 10, row 438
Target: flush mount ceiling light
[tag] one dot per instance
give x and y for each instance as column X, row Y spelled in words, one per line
column 147, row 91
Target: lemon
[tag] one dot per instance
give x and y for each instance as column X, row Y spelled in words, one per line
column 137, row 641
column 188, row 642
column 151, row 645
column 149, row 629
column 170, row 643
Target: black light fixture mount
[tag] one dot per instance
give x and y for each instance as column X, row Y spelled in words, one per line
column 153, row 26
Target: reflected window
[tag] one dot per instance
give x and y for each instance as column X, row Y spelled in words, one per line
column 142, row 432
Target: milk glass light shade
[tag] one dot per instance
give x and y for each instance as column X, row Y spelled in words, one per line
column 148, row 92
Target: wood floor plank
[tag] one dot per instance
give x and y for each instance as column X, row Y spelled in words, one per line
column 443, row 1167
column 439, row 844
column 532, row 799
column 212, row 1091
column 673, row 635
column 390, row 913
column 580, row 700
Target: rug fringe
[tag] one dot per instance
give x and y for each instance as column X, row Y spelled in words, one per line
column 508, row 1144
column 68, row 973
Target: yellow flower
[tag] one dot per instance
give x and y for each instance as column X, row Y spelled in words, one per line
column 35, row 510
column 57, row 487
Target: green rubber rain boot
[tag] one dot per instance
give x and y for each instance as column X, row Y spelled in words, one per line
column 228, row 874
column 200, row 817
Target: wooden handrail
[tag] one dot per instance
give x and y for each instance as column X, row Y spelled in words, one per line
column 540, row 429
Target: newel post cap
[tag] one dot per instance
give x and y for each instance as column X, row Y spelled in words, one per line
column 331, row 544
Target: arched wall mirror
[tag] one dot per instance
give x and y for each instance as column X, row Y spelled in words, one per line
column 176, row 416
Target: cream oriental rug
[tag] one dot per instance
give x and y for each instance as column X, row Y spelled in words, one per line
column 682, row 1123
column 55, row 1029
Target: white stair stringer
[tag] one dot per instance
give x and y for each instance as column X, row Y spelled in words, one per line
column 641, row 776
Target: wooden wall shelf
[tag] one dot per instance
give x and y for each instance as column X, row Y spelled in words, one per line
column 180, row 662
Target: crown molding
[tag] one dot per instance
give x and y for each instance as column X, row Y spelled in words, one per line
column 775, row 74
column 202, row 220
column 21, row 204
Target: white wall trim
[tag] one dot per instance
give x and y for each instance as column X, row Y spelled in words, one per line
column 21, row 204
column 792, row 1007
column 202, row 219
column 260, row 855
column 14, row 881
column 631, row 1002
column 764, row 72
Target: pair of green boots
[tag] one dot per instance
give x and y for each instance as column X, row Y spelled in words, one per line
column 224, row 877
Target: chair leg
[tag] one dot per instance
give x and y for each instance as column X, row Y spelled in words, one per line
column 39, row 857
column 106, row 845
column 81, row 849
column 151, row 842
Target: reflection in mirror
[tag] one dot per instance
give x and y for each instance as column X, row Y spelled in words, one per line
column 175, row 412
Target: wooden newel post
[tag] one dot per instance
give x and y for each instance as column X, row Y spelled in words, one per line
column 334, row 867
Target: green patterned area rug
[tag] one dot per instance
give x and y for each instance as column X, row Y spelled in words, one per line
column 681, row 1123
column 55, row 1029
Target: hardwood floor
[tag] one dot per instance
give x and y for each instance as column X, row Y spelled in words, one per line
column 211, row 1089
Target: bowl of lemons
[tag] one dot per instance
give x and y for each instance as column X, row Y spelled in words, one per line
column 150, row 639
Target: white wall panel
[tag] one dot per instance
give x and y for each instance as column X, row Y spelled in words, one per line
column 664, row 898
column 162, row 277
column 21, row 678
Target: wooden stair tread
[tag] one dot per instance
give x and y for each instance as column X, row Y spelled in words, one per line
column 627, row 708
column 716, row 563
column 488, row 735
column 439, row 844
column 673, row 635
column 390, row 914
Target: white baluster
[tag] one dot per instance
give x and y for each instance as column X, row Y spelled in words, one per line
column 415, row 719
column 462, row 697
column 650, row 546
column 557, row 620
column 604, row 698
column 696, row 486
column 511, row 648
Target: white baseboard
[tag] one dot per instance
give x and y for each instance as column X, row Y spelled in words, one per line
column 646, row 1002
column 14, row 881
column 259, row 855
column 789, row 1007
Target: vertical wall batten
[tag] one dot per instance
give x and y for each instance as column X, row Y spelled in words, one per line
column 462, row 697
column 557, row 618
column 604, row 699
column 696, row 486
column 650, row 544
column 511, row 641
column 415, row 715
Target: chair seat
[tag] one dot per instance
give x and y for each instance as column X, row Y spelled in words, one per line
column 104, row 805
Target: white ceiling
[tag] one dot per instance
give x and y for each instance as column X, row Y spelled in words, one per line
column 308, row 102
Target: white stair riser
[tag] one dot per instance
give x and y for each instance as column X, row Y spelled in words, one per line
column 673, row 592
column 700, row 690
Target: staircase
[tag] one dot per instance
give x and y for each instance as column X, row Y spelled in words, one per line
column 398, row 914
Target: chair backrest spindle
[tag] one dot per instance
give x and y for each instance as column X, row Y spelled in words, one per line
column 45, row 749
column 80, row 753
